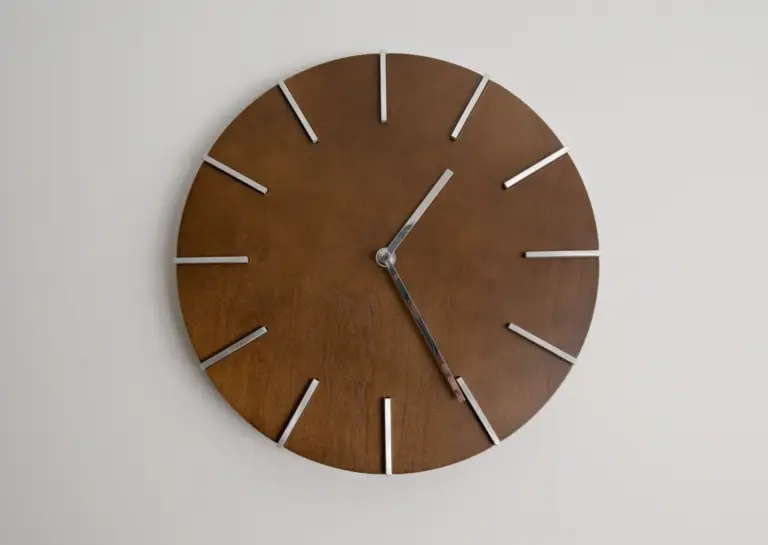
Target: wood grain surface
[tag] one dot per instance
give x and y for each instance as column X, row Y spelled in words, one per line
column 334, row 315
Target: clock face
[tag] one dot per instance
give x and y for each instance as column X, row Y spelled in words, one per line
column 387, row 263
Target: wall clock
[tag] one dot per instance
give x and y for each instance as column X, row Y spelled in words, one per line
column 387, row 263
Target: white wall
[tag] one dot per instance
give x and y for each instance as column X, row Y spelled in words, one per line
column 110, row 435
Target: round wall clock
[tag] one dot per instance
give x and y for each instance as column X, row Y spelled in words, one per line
column 387, row 263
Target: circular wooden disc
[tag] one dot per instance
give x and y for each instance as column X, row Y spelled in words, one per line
column 334, row 315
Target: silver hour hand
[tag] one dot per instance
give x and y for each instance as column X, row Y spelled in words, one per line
column 437, row 188
column 431, row 344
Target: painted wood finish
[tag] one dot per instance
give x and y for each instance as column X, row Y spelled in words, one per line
column 333, row 313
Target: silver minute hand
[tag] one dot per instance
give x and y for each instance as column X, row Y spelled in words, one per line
column 431, row 344
column 410, row 222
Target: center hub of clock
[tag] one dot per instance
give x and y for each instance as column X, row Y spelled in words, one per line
column 384, row 257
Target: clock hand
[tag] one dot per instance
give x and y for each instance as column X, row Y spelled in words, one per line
column 431, row 344
column 410, row 222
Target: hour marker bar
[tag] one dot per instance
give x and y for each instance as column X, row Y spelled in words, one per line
column 542, row 343
column 478, row 411
column 535, row 168
column 232, row 348
column 234, row 259
column 562, row 253
column 387, row 436
column 235, row 174
column 297, row 413
column 383, row 85
column 298, row 112
column 470, row 107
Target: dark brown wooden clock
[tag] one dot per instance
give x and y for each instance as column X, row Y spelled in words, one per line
column 387, row 263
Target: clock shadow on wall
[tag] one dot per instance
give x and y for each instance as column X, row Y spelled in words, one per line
column 387, row 263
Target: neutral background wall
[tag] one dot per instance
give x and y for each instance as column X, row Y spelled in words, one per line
column 110, row 435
